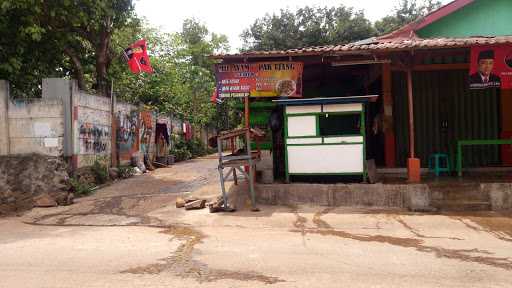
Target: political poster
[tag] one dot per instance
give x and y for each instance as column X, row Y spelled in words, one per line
column 491, row 67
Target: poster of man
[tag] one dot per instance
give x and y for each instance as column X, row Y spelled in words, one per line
column 490, row 67
column 484, row 77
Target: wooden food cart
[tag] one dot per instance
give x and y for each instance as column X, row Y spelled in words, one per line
column 325, row 136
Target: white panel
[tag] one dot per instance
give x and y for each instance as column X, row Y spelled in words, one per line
column 51, row 142
column 301, row 126
column 343, row 107
column 347, row 139
column 303, row 109
column 304, row 141
column 325, row 159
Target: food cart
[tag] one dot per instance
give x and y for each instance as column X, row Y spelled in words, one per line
column 325, row 136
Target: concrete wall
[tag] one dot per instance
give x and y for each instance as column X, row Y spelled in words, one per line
column 73, row 123
column 36, row 126
column 30, row 126
column 92, row 125
column 57, row 88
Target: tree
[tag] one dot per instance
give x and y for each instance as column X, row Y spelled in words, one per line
column 406, row 12
column 77, row 32
column 308, row 26
column 27, row 52
column 183, row 78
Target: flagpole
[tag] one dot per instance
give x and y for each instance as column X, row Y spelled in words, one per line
column 113, row 132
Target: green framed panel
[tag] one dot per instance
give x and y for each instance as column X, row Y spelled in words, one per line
column 329, row 144
column 328, row 174
column 364, row 174
column 324, row 113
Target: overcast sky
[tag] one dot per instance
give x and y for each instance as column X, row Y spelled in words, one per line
column 231, row 17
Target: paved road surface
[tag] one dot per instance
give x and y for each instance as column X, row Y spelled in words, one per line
column 130, row 235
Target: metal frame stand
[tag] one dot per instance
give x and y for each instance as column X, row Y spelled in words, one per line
column 236, row 162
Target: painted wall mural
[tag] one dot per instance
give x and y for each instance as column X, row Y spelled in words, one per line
column 146, row 130
column 127, row 133
column 94, row 139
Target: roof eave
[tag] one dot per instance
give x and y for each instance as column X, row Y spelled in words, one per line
column 409, row 30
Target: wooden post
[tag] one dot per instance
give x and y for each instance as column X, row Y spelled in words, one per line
column 411, row 113
column 413, row 163
column 246, row 102
column 389, row 131
column 247, row 124
column 232, row 140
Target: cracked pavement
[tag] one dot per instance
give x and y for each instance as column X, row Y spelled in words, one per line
column 130, row 234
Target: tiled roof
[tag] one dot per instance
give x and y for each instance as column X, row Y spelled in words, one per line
column 376, row 45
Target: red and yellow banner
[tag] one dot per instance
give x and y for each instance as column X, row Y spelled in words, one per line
column 265, row 79
column 491, row 67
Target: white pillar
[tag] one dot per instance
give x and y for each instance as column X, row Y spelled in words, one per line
column 4, row 118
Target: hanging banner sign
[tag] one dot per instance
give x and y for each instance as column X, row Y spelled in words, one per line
column 266, row 79
column 491, row 67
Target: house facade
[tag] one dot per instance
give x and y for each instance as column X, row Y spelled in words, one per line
column 421, row 73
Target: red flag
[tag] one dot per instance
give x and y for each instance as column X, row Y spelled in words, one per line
column 215, row 97
column 138, row 59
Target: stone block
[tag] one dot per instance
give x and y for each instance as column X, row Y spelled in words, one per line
column 500, row 195
column 417, row 197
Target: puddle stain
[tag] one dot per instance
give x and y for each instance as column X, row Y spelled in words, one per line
column 114, row 206
column 300, row 221
column 418, row 234
column 317, row 219
column 182, row 264
column 499, row 227
column 463, row 255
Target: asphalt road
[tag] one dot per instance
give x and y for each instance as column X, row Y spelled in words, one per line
column 130, row 235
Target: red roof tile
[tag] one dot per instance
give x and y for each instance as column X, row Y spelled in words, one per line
column 376, row 45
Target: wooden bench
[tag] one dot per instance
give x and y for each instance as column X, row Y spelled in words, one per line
column 462, row 143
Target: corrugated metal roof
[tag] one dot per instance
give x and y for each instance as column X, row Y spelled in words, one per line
column 329, row 100
column 376, row 45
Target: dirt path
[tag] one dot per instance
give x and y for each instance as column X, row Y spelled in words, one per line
column 128, row 202
column 131, row 235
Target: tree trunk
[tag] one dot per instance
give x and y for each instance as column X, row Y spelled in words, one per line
column 102, row 60
column 77, row 67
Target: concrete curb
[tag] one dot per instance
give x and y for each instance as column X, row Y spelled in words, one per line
column 415, row 197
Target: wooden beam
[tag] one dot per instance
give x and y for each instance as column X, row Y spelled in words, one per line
column 358, row 62
column 434, row 67
column 413, row 163
column 387, row 119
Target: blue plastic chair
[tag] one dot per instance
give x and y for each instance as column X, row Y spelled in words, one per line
column 439, row 163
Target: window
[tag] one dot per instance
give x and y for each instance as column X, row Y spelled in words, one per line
column 339, row 124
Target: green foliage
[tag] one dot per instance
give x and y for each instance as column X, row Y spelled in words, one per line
column 184, row 150
column 197, row 148
column 126, row 171
column 181, row 154
column 59, row 39
column 317, row 26
column 80, row 187
column 406, row 12
column 100, row 171
column 308, row 26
